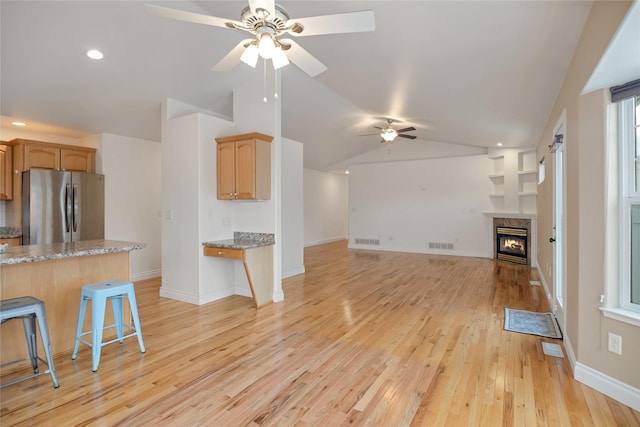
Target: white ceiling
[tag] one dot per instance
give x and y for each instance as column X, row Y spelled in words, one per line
column 466, row 73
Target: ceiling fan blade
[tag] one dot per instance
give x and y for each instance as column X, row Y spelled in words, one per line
column 303, row 59
column 182, row 15
column 351, row 22
column 407, row 136
column 257, row 5
column 409, row 129
column 370, row 134
column 232, row 58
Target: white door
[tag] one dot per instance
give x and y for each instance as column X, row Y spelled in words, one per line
column 557, row 238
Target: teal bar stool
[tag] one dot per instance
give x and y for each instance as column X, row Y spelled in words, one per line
column 30, row 309
column 98, row 293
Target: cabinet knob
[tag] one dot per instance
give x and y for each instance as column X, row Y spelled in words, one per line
column 220, row 252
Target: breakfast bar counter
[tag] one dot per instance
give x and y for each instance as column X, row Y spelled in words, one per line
column 55, row 274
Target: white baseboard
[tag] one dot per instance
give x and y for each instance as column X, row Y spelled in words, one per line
column 605, row 384
column 145, row 275
column 180, row 296
column 323, row 241
column 570, row 353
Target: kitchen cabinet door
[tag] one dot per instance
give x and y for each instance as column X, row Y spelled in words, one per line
column 77, row 160
column 6, row 172
column 245, row 169
column 41, row 157
column 226, row 171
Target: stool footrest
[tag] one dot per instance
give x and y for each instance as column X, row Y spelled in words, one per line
column 37, row 374
column 24, row 359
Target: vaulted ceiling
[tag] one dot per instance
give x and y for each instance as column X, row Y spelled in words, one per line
column 464, row 73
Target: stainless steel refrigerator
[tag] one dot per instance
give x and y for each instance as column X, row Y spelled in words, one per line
column 59, row 206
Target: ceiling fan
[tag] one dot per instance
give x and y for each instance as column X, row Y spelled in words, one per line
column 267, row 22
column 388, row 133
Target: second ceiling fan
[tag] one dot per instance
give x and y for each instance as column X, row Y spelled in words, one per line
column 267, row 22
column 388, row 133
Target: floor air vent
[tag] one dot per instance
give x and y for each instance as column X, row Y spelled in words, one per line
column 434, row 245
column 360, row 241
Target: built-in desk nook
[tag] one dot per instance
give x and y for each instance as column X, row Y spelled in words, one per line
column 255, row 250
column 55, row 274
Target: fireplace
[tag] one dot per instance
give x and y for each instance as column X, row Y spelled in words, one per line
column 512, row 245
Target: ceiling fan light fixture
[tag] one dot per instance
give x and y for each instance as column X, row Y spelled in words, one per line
column 279, row 59
column 388, row 134
column 250, row 55
column 266, row 46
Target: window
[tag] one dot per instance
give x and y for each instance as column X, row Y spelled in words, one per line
column 630, row 203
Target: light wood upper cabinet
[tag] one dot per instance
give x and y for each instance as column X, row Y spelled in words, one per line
column 77, row 160
column 244, row 167
column 6, row 169
column 43, row 155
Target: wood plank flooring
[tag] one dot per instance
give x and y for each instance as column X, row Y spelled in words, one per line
column 362, row 338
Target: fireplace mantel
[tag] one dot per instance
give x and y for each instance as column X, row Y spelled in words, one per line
column 515, row 215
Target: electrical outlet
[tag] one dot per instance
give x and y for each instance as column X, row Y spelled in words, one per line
column 615, row 343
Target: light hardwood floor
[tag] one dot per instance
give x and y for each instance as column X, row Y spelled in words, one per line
column 362, row 338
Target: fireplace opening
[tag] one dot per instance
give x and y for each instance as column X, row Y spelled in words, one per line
column 511, row 245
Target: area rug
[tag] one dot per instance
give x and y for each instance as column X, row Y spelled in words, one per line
column 531, row 322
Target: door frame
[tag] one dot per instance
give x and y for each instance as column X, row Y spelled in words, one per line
column 559, row 220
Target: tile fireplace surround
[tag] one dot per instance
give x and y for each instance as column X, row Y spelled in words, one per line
column 523, row 223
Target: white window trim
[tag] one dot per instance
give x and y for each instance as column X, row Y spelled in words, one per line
column 630, row 197
column 618, row 305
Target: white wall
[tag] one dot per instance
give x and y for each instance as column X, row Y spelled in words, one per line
column 326, row 202
column 132, row 199
column 188, row 195
column 408, row 204
column 292, row 209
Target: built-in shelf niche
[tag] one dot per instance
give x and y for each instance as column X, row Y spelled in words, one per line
column 514, row 180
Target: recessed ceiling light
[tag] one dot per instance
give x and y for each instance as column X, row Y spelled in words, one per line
column 499, row 144
column 347, row 172
column 95, row 54
column 18, row 123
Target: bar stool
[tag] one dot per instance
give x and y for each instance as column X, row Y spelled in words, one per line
column 98, row 293
column 29, row 309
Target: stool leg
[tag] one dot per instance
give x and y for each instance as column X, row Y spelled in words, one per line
column 81, row 313
column 97, row 325
column 116, row 305
column 29, row 324
column 46, row 342
column 136, row 319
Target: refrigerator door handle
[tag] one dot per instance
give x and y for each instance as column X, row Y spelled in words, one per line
column 75, row 207
column 67, row 211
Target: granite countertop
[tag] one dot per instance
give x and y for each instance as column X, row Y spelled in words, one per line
column 10, row 232
column 35, row 253
column 242, row 240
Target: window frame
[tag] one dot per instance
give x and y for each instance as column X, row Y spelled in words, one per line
column 629, row 196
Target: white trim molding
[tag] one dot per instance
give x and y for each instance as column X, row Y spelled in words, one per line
column 621, row 315
column 605, row 384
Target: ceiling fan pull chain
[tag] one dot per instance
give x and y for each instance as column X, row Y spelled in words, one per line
column 264, row 80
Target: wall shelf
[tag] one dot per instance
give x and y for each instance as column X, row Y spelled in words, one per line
column 514, row 178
